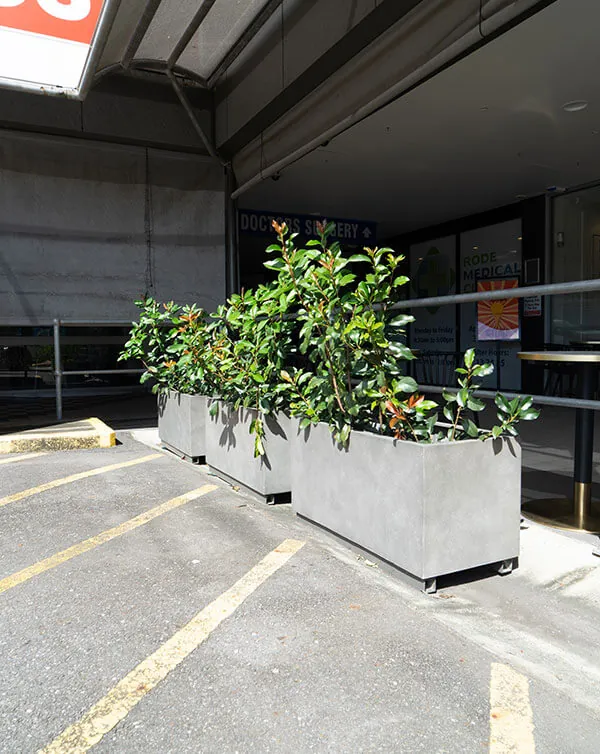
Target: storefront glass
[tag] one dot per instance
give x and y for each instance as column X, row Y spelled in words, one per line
column 575, row 255
column 27, row 358
column 490, row 254
column 457, row 264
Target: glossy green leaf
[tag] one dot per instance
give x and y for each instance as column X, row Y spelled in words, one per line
column 475, row 404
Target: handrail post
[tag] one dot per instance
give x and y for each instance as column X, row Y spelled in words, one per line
column 57, row 370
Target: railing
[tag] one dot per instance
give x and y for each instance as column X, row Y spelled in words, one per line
column 554, row 289
column 550, row 289
column 543, row 400
column 58, row 371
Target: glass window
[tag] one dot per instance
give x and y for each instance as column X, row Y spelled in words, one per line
column 575, row 256
column 492, row 253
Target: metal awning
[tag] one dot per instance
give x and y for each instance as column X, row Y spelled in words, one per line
column 85, row 39
column 197, row 39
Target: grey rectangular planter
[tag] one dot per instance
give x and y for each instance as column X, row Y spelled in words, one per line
column 182, row 423
column 427, row 509
column 230, row 451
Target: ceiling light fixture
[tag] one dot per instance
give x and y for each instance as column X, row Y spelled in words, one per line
column 575, row 106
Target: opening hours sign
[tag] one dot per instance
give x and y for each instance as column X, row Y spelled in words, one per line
column 45, row 44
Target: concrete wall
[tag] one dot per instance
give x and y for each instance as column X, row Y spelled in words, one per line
column 83, row 232
column 117, row 109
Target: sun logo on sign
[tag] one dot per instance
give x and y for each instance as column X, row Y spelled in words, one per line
column 498, row 320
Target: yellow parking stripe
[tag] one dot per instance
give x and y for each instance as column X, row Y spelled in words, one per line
column 511, row 717
column 24, row 457
column 90, row 544
column 122, row 698
column 74, row 478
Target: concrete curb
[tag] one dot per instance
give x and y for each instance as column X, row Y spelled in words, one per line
column 88, row 433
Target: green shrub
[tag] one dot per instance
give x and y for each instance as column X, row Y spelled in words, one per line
column 172, row 343
column 321, row 342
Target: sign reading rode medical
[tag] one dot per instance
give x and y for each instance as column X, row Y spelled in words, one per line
column 46, row 42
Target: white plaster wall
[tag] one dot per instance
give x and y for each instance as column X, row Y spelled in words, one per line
column 73, row 232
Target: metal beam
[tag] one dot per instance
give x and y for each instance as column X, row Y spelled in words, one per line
column 139, row 32
column 551, row 289
column 57, row 370
column 546, row 400
column 247, row 36
column 189, row 32
column 210, row 148
column 232, row 261
column 151, row 66
column 163, row 67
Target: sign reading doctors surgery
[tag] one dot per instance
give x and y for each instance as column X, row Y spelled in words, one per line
column 45, row 44
column 352, row 232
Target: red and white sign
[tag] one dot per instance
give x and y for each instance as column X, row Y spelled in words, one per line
column 46, row 43
column 532, row 306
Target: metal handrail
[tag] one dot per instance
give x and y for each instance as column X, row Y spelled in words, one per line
column 546, row 400
column 58, row 371
column 67, row 323
column 551, row 289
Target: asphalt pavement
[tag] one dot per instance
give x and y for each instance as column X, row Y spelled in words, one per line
column 149, row 607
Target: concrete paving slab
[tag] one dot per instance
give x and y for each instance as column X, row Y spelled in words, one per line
column 87, row 433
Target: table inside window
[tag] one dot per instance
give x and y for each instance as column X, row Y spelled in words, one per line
column 578, row 513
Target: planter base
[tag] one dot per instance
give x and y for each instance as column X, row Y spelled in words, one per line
column 196, row 460
column 271, row 499
column 428, row 586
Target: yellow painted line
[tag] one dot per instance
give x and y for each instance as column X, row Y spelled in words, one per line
column 122, row 698
column 24, row 457
column 511, row 716
column 74, row 478
column 90, row 544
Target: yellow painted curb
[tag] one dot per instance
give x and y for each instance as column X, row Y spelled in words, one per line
column 88, row 433
column 106, row 435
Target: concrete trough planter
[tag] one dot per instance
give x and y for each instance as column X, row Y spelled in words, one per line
column 429, row 510
column 182, row 424
column 230, row 452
